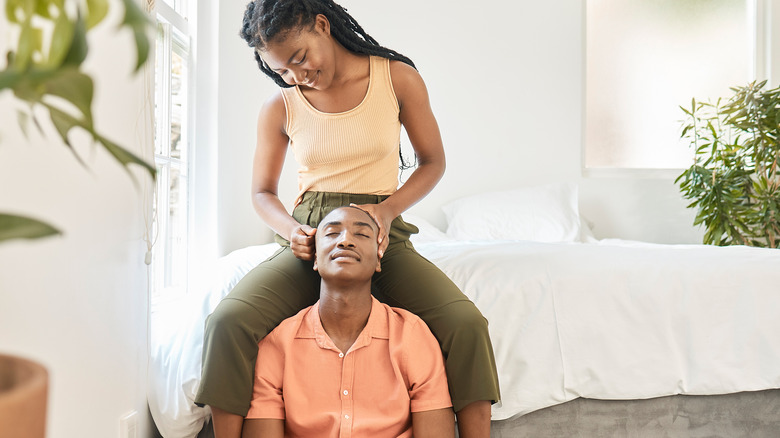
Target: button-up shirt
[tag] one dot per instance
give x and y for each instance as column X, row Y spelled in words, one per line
column 394, row 368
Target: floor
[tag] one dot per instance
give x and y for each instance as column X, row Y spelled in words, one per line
column 744, row 414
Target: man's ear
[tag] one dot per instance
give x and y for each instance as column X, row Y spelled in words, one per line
column 378, row 264
column 315, row 263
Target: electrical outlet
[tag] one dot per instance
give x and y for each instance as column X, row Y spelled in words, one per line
column 128, row 425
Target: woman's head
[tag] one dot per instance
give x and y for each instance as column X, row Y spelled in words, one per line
column 269, row 22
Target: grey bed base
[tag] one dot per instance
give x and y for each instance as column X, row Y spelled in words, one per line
column 743, row 414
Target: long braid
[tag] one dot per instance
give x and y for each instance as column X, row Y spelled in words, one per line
column 268, row 20
column 347, row 29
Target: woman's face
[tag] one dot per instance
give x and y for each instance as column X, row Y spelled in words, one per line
column 303, row 56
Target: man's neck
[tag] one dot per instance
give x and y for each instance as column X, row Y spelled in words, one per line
column 344, row 313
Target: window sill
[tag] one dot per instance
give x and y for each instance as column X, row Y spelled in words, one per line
column 615, row 172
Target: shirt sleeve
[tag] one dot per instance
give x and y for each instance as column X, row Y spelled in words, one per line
column 267, row 400
column 425, row 366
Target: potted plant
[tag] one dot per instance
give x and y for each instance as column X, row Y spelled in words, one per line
column 734, row 181
column 23, row 391
column 45, row 76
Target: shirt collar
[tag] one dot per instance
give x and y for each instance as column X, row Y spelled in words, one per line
column 376, row 327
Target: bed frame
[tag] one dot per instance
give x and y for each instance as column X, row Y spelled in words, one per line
column 742, row 414
column 607, row 375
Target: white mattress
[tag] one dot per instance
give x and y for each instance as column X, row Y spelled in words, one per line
column 606, row 320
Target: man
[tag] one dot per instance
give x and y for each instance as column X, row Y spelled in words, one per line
column 349, row 366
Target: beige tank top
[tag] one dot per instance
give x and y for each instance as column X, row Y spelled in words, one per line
column 355, row 151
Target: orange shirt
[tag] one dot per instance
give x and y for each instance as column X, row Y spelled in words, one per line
column 395, row 367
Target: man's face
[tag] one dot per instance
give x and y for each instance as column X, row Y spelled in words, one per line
column 346, row 243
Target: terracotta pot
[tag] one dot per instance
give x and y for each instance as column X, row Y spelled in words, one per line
column 23, row 390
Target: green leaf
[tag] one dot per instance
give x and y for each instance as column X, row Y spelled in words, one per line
column 77, row 51
column 138, row 21
column 75, row 87
column 24, row 122
column 61, row 40
column 36, row 123
column 98, row 9
column 37, row 40
column 26, row 46
column 124, row 156
column 20, row 227
column 42, row 8
column 64, row 122
column 10, row 10
column 9, row 78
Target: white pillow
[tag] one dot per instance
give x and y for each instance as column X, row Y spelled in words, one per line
column 546, row 213
column 428, row 231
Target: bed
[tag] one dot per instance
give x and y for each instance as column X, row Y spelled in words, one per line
column 570, row 316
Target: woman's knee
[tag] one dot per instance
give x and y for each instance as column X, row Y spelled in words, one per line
column 235, row 318
column 461, row 321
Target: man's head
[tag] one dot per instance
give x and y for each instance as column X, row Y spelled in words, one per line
column 346, row 245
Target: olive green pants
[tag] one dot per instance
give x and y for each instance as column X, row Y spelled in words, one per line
column 283, row 285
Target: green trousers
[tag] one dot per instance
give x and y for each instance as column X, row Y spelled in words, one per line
column 283, row 285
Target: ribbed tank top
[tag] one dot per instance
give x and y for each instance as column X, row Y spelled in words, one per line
column 354, row 151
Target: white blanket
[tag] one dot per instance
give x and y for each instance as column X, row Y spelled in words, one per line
column 606, row 320
column 621, row 320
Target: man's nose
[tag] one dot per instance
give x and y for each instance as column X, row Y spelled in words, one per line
column 346, row 241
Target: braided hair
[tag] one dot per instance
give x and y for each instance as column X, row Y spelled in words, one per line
column 268, row 20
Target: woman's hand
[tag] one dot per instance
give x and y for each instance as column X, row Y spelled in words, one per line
column 302, row 242
column 383, row 219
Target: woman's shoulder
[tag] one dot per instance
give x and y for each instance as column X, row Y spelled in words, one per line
column 274, row 103
column 273, row 110
column 403, row 72
column 407, row 82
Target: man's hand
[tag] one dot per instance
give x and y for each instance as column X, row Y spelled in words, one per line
column 383, row 219
column 302, row 242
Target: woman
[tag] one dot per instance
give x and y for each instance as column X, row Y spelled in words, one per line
column 343, row 101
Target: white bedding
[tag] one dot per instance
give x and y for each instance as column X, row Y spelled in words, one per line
column 621, row 320
column 606, row 320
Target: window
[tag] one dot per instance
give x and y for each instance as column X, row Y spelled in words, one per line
column 644, row 59
column 172, row 146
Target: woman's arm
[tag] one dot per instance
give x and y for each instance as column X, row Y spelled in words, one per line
column 269, row 157
column 439, row 423
column 423, row 131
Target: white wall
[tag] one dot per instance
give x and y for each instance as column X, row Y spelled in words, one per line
column 506, row 84
column 242, row 91
column 78, row 303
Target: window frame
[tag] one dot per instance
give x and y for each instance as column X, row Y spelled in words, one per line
column 763, row 22
column 177, row 37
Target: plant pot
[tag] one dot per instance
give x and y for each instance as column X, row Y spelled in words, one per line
column 23, row 391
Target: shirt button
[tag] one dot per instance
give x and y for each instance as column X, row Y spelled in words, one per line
column 347, row 417
column 346, row 392
column 341, row 354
